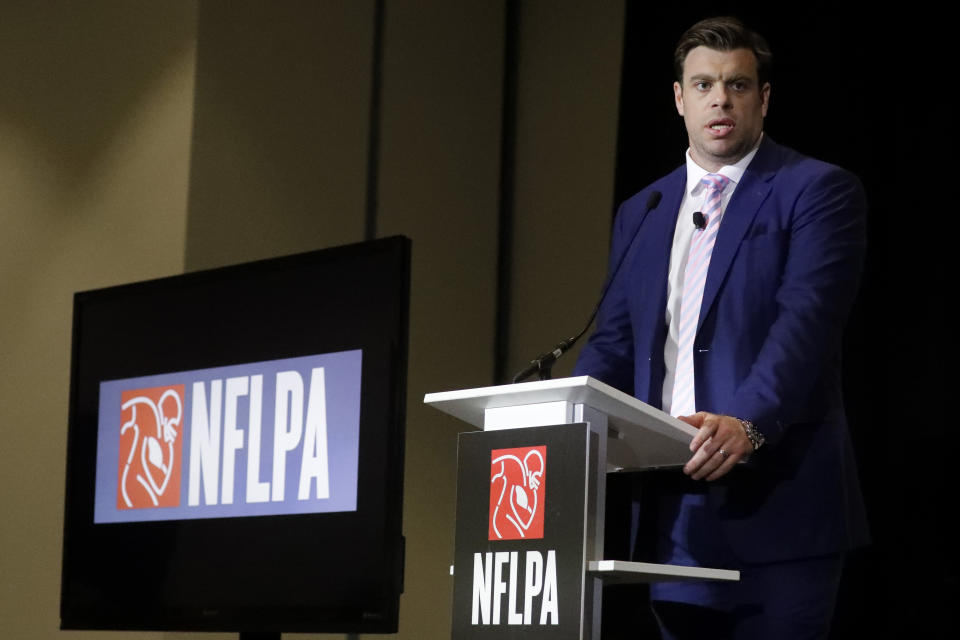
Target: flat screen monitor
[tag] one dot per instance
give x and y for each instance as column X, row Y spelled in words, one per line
column 235, row 447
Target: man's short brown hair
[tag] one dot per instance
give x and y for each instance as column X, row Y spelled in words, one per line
column 724, row 34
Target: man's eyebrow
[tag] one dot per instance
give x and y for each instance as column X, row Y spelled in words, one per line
column 702, row 77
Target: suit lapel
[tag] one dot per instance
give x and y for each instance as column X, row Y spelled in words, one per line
column 664, row 228
column 653, row 267
column 740, row 213
column 657, row 260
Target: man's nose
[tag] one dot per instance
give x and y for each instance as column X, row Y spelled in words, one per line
column 720, row 96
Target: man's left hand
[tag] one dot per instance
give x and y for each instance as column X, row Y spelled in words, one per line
column 719, row 445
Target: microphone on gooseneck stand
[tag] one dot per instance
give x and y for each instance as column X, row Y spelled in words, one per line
column 544, row 362
column 699, row 220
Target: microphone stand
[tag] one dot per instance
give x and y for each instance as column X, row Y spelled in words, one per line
column 542, row 365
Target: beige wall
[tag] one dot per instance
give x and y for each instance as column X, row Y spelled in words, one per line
column 280, row 128
column 118, row 164
column 95, row 118
column 568, row 78
column 439, row 178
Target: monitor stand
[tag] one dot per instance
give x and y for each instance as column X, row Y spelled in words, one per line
column 270, row 635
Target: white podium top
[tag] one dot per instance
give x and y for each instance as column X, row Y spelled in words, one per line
column 653, row 437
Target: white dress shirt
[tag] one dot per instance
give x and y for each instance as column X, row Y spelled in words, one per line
column 692, row 202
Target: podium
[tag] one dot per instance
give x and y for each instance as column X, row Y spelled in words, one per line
column 531, row 487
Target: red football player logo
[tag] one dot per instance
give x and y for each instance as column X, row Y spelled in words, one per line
column 150, row 447
column 517, row 490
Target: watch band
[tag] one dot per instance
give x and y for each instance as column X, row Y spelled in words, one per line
column 753, row 435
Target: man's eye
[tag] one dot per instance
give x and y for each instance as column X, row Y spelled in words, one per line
column 738, row 86
column 702, row 86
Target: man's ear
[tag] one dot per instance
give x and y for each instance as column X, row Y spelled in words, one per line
column 678, row 98
column 765, row 98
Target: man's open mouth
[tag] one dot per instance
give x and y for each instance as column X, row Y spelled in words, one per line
column 721, row 125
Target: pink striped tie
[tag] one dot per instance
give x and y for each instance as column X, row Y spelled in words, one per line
column 684, row 400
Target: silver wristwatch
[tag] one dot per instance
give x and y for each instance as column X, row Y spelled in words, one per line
column 753, row 435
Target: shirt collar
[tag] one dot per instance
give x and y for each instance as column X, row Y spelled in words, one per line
column 734, row 172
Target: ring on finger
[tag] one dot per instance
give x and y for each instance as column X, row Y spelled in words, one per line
column 723, row 454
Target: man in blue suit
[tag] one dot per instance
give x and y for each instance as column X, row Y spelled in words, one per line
column 748, row 351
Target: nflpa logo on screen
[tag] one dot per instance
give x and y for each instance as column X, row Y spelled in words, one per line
column 150, row 447
column 517, row 493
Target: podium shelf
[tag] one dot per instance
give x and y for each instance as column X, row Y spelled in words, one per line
column 623, row 572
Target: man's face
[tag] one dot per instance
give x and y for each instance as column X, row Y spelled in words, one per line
column 722, row 105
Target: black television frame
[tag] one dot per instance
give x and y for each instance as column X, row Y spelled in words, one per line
column 324, row 573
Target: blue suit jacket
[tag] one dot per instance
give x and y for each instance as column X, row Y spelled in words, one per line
column 782, row 277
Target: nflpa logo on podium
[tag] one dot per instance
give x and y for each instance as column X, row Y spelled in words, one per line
column 517, row 493
column 525, row 577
